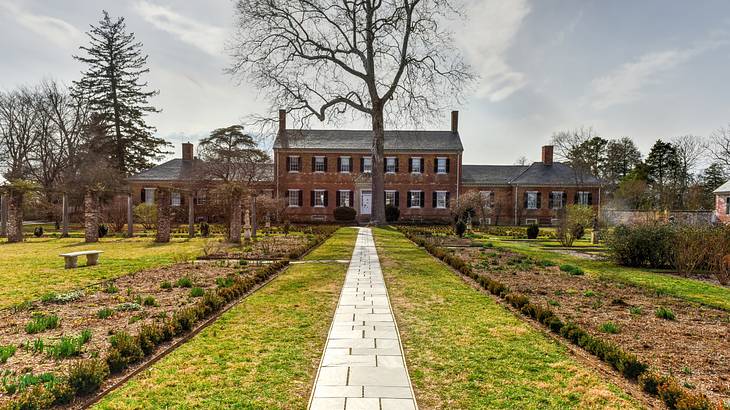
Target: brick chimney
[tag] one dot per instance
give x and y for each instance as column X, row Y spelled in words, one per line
column 282, row 121
column 547, row 155
column 187, row 151
column 454, row 121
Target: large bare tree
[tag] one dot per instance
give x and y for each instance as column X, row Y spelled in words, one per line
column 385, row 60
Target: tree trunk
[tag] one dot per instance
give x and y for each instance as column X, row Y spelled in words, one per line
column 254, row 217
column 130, row 216
column 164, row 215
column 15, row 216
column 64, row 216
column 91, row 217
column 234, row 227
column 377, row 213
column 191, row 215
column 3, row 215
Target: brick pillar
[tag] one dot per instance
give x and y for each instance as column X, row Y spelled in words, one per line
column 164, row 215
column 91, row 217
column 234, row 231
column 15, row 216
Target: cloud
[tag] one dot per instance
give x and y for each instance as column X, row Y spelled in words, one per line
column 486, row 38
column 54, row 29
column 202, row 36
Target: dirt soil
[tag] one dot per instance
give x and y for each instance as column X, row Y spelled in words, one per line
column 266, row 247
column 694, row 348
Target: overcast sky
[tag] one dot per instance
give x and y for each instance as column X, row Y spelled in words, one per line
column 644, row 69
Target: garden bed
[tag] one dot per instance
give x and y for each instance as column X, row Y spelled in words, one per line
column 267, row 247
column 692, row 347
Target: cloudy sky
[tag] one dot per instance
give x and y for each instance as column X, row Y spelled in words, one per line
column 649, row 69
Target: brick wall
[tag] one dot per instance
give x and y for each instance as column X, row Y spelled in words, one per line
column 720, row 208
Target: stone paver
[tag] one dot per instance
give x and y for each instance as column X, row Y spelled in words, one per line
column 363, row 366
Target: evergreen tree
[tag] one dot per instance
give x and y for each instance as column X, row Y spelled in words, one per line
column 711, row 179
column 664, row 170
column 622, row 156
column 114, row 89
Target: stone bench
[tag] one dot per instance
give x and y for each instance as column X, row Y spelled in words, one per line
column 92, row 258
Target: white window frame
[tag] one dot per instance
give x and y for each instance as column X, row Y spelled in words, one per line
column 441, row 165
column 319, row 165
column 583, row 197
column 531, row 221
column 487, row 221
column 414, row 161
column 294, row 197
column 347, row 203
column 391, row 200
column 149, row 196
column 319, row 198
column 557, row 197
column 440, row 199
column 175, row 199
column 292, row 162
column 388, row 162
column 342, row 165
column 418, row 196
column 533, row 195
column 367, row 165
column 554, row 221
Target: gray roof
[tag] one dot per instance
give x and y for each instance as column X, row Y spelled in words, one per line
column 724, row 188
column 535, row 174
column 490, row 174
column 184, row 170
column 362, row 140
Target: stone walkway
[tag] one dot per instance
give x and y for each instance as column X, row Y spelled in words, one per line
column 363, row 366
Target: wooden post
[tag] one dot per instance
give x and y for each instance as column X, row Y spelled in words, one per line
column 64, row 216
column 130, row 216
column 91, row 217
column 191, row 215
column 255, row 221
column 163, row 196
column 3, row 215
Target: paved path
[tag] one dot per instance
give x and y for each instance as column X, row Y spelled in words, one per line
column 363, row 366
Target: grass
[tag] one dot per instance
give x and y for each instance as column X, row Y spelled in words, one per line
column 41, row 323
column 339, row 246
column 262, row 354
column 684, row 288
column 32, row 268
column 665, row 313
column 609, row 327
column 464, row 351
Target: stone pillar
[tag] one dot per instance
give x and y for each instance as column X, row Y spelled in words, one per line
column 130, row 216
column 247, row 227
column 64, row 216
column 3, row 215
column 164, row 215
column 255, row 221
column 91, row 217
column 191, row 215
column 234, row 231
column 15, row 216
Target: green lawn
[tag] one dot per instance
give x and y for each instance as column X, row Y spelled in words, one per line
column 688, row 289
column 262, row 354
column 464, row 351
column 32, row 268
column 339, row 246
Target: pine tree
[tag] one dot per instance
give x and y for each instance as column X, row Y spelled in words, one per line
column 113, row 86
column 711, row 179
column 664, row 171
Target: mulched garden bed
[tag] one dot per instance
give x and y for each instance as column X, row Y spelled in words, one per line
column 265, row 247
column 694, row 347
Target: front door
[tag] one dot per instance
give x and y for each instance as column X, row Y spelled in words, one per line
column 366, row 201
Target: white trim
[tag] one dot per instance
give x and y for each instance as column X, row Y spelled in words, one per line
column 418, row 191
column 528, row 200
column 323, row 158
column 289, row 204
column 437, row 199
column 531, row 221
column 299, row 164
column 410, row 163
column 445, row 172
column 323, row 191
column 394, row 165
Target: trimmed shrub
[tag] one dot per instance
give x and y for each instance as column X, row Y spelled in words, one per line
column 103, row 230
column 571, row 269
column 460, row 228
column 642, row 245
column 38, row 231
column 392, row 213
column 533, row 231
column 204, row 229
column 86, row 376
column 344, row 214
column 125, row 350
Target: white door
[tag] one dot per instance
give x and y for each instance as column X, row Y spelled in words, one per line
column 366, row 199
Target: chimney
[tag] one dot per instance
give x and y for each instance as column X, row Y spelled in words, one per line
column 187, row 151
column 454, row 121
column 282, row 121
column 547, row 155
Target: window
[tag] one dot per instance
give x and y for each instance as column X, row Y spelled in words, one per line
column 488, row 198
column 487, row 221
column 530, row 221
column 532, row 200
column 345, row 164
column 319, row 196
column 554, row 221
column 149, row 196
column 391, row 198
column 583, row 198
column 344, row 198
column 416, row 165
column 441, row 199
column 175, row 199
column 442, row 165
column 294, row 196
column 414, row 199
column 293, row 164
column 391, row 165
column 727, row 206
column 556, row 199
column 201, row 197
column 367, row 165
column 320, row 164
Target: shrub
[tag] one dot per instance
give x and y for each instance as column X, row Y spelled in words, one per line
column 571, row 269
column 185, row 282
column 40, row 323
column 460, row 228
column 103, row 230
column 105, row 313
column 86, row 376
column 642, row 245
column 125, row 350
column 609, row 327
column 665, row 313
column 38, row 231
column 226, row 282
column 533, row 231
column 149, row 337
column 204, row 229
column 166, row 285
column 6, row 352
column 196, row 292
column 36, row 397
column 149, row 301
column 344, row 214
column 392, row 213
column 146, row 214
